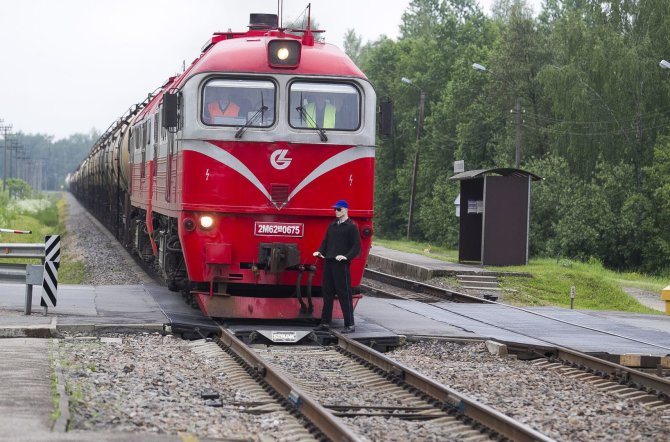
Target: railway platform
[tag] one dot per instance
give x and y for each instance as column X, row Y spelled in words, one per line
column 422, row 268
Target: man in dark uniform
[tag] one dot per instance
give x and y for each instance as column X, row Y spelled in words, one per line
column 341, row 244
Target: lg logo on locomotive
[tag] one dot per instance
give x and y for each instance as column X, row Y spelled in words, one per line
column 279, row 160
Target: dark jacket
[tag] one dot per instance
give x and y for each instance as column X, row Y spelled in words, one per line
column 341, row 239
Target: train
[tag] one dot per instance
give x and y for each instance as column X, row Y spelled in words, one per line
column 224, row 177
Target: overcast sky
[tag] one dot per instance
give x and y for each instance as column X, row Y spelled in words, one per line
column 69, row 66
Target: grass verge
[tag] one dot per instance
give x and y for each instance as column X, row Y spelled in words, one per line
column 49, row 220
column 418, row 248
column 596, row 288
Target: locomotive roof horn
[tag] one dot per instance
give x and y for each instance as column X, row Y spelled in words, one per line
column 263, row 21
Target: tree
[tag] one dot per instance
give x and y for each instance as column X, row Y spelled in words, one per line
column 594, row 124
column 352, row 45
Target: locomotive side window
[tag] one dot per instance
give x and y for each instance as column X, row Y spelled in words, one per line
column 324, row 105
column 238, row 103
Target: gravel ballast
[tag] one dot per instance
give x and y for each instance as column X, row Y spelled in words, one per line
column 152, row 383
column 563, row 408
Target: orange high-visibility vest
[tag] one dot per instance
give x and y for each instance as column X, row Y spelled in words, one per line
column 232, row 110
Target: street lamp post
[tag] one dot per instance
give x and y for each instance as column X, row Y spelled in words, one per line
column 415, row 167
column 517, row 115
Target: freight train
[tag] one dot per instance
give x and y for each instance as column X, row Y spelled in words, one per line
column 224, row 178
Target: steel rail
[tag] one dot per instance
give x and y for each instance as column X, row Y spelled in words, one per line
column 487, row 416
column 420, row 297
column 329, row 425
column 652, row 383
column 439, row 292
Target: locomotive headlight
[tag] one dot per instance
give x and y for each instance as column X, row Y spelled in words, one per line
column 206, row 221
column 282, row 53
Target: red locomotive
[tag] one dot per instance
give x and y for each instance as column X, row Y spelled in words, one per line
column 225, row 177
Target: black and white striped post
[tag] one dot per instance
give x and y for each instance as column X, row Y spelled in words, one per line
column 50, row 280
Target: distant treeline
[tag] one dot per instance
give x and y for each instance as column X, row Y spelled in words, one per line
column 44, row 163
column 595, row 111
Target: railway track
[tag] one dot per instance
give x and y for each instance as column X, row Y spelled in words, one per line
column 650, row 387
column 374, row 396
column 412, row 290
column 624, row 382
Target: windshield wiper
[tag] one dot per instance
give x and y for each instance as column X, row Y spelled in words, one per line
column 322, row 133
column 250, row 121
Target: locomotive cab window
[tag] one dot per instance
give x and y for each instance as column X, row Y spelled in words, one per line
column 238, row 103
column 324, row 105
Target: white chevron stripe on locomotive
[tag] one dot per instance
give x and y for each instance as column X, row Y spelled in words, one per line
column 342, row 158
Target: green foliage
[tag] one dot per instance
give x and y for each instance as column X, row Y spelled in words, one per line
column 42, row 215
column 6, row 214
column 18, row 188
column 595, row 287
column 420, row 248
column 353, row 45
column 594, row 124
column 438, row 218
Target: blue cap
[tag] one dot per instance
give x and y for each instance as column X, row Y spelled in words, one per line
column 341, row 204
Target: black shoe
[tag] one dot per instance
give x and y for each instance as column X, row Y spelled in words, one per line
column 322, row 327
column 348, row 329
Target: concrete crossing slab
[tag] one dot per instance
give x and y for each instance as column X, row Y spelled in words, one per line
column 584, row 331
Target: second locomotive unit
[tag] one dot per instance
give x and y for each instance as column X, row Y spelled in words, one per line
column 225, row 177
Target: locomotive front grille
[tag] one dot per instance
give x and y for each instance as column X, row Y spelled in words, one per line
column 279, row 193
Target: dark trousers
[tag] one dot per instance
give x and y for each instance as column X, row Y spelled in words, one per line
column 337, row 280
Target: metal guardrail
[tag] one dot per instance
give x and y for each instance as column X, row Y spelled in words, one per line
column 33, row 274
column 21, row 250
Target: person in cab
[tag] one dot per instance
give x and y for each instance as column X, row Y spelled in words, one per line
column 320, row 112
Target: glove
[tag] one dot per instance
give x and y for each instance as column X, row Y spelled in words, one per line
column 317, row 254
column 341, row 258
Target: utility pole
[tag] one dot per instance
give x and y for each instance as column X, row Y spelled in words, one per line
column 7, row 129
column 516, row 111
column 415, row 167
column 17, row 146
